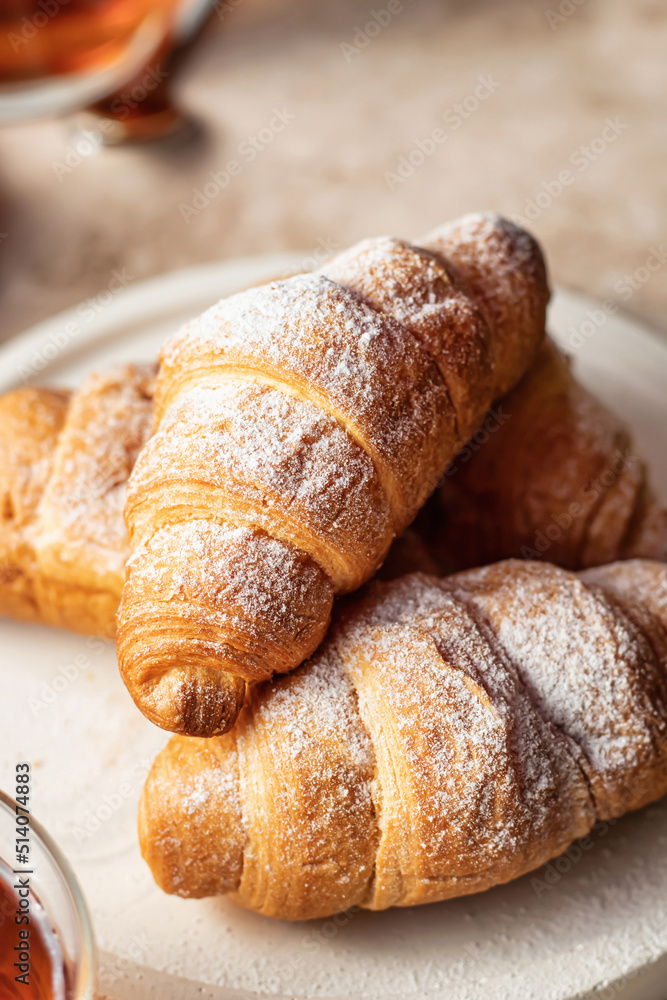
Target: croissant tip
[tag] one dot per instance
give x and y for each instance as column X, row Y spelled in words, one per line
column 190, row 700
column 189, row 823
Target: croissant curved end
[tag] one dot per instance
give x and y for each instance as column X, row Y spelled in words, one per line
column 199, row 698
column 191, row 833
column 187, row 698
column 505, row 268
column 220, row 608
column 237, row 556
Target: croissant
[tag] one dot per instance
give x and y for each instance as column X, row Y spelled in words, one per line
column 64, row 463
column 449, row 735
column 509, row 496
column 552, row 474
column 300, row 426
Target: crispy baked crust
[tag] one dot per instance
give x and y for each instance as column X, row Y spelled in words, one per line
column 64, row 464
column 509, row 496
column 300, row 427
column 553, row 474
column 31, row 420
column 449, row 735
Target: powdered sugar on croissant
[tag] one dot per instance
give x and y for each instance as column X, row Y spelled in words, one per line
column 307, row 421
column 64, row 463
column 449, row 735
column 558, row 477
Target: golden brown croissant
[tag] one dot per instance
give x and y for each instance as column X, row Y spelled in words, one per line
column 553, row 474
column 64, row 464
column 449, row 735
column 300, row 426
column 501, row 496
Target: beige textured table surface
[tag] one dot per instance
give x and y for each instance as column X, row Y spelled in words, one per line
column 581, row 91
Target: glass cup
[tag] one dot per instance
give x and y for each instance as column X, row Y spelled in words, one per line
column 58, row 911
column 62, row 56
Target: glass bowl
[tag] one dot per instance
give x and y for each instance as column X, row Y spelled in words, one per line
column 56, row 893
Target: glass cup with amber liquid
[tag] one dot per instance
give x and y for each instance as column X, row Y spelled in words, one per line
column 59, row 56
column 47, row 948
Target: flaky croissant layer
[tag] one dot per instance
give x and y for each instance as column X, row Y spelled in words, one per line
column 552, row 474
column 65, row 459
column 449, row 735
column 300, row 427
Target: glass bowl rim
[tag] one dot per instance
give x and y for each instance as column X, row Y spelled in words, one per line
column 86, row 971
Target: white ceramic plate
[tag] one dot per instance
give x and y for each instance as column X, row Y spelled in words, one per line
column 594, row 926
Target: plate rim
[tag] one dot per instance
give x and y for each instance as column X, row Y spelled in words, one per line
column 136, row 303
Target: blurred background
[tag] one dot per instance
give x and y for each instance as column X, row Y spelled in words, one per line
column 311, row 125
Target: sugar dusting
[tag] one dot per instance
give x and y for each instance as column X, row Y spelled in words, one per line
column 587, row 666
column 251, row 454
column 317, row 708
column 486, row 786
column 415, row 288
column 262, row 583
column 386, row 372
column 489, row 717
column 504, row 266
column 321, row 339
column 31, row 420
column 306, row 766
column 80, row 519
